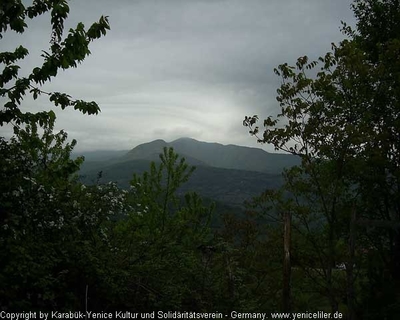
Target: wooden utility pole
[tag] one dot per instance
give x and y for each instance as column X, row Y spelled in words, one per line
column 350, row 267
column 287, row 268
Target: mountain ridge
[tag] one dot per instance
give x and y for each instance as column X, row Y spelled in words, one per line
column 229, row 174
column 216, row 155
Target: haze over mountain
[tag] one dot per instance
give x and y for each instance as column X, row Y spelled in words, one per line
column 229, row 174
column 216, row 155
column 101, row 155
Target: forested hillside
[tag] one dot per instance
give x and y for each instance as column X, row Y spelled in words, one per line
column 324, row 237
column 217, row 155
column 229, row 182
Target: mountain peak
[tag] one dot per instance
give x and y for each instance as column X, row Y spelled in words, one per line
column 147, row 150
column 216, row 155
column 157, row 141
column 185, row 139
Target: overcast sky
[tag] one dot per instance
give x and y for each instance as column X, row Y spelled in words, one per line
column 181, row 68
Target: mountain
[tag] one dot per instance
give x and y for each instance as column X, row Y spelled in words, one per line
column 217, row 155
column 146, row 151
column 151, row 151
column 228, row 174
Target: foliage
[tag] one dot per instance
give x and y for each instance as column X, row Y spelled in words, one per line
column 343, row 121
column 130, row 249
column 158, row 241
column 46, row 217
column 64, row 54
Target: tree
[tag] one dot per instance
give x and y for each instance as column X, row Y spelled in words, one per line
column 64, row 53
column 344, row 124
column 42, row 206
column 52, row 227
column 248, row 267
column 159, row 241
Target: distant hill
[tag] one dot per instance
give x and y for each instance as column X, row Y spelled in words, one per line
column 151, row 151
column 228, row 174
column 216, row 155
column 147, row 151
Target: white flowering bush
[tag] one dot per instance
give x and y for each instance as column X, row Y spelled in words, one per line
column 53, row 228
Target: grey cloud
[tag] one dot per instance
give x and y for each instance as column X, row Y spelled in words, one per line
column 191, row 68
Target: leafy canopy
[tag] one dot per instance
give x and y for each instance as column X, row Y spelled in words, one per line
column 65, row 52
column 341, row 114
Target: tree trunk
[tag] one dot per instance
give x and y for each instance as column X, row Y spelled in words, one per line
column 287, row 269
column 350, row 268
